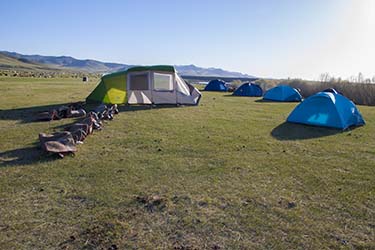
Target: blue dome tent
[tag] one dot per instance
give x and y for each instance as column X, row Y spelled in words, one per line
column 248, row 89
column 327, row 110
column 216, row 85
column 283, row 93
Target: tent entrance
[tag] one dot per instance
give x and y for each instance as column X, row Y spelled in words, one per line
column 139, row 88
column 150, row 87
column 163, row 91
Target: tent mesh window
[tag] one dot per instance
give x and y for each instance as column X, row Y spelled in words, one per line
column 163, row 82
column 138, row 82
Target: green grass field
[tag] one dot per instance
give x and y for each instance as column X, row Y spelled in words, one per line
column 227, row 174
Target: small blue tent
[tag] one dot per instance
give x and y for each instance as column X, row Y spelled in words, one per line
column 248, row 89
column 216, row 85
column 327, row 110
column 283, row 93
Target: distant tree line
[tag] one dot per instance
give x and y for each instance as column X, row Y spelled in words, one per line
column 360, row 78
column 359, row 89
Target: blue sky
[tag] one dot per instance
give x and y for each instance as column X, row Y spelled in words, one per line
column 269, row 38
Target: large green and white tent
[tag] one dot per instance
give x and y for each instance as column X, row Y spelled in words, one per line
column 145, row 85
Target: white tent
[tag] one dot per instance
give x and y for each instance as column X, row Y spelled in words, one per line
column 145, row 85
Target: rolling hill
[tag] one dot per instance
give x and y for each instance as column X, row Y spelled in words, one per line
column 22, row 64
column 67, row 62
column 94, row 66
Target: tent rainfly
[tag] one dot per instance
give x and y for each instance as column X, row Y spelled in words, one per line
column 216, row 85
column 327, row 109
column 145, row 85
column 248, row 89
column 283, row 93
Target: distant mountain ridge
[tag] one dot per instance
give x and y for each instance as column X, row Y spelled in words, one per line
column 21, row 64
column 68, row 62
column 94, row 66
column 193, row 70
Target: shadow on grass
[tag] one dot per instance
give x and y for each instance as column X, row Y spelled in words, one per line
column 243, row 96
column 24, row 156
column 262, row 100
column 247, row 96
column 277, row 102
column 132, row 108
column 291, row 131
column 28, row 114
column 33, row 154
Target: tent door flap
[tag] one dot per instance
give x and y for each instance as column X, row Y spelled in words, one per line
column 139, row 88
column 163, row 88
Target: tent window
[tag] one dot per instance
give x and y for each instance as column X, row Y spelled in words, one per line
column 138, row 82
column 163, row 82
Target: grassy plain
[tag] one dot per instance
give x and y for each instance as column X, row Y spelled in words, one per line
column 227, row 174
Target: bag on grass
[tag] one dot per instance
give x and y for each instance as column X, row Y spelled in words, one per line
column 60, row 143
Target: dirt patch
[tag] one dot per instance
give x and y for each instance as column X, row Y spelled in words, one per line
column 288, row 204
column 153, row 203
column 84, row 201
column 182, row 200
column 98, row 236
